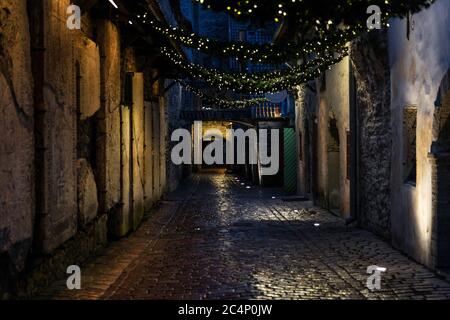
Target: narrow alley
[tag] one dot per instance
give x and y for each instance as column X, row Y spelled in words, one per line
column 219, row 149
column 216, row 239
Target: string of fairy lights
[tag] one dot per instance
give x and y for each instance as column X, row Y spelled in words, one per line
column 222, row 103
column 324, row 31
column 304, row 11
column 267, row 53
column 256, row 83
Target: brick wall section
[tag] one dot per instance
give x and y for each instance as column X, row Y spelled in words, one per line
column 369, row 55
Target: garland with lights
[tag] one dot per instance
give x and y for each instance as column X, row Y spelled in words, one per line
column 349, row 12
column 223, row 103
column 268, row 53
column 327, row 26
column 257, row 82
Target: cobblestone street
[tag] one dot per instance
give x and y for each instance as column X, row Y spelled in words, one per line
column 217, row 238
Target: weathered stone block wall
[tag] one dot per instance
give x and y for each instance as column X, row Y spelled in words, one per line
column 369, row 56
column 137, row 136
column 87, row 242
column 132, row 172
column 75, row 164
column 148, row 157
column 87, row 193
column 163, row 130
column 57, row 211
column 88, row 59
column 122, row 223
column 88, row 103
column 109, row 116
column 17, row 143
column 156, row 125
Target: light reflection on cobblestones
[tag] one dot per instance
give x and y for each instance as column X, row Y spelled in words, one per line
column 216, row 239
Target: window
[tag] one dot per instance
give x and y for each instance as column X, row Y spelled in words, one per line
column 410, row 145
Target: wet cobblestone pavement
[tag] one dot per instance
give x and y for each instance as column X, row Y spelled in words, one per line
column 217, row 239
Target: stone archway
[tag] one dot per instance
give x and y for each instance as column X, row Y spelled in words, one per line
column 440, row 166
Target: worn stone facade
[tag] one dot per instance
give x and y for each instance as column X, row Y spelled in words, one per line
column 322, row 123
column 86, row 149
column 175, row 102
column 369, row 56
column 419, row 60
column 333, row 123
column 350, row 100
column 108, row 143
column 399, row 129
column 17, row 131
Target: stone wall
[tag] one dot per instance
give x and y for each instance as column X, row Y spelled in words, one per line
column 149, row 199
column 87, row 242
column 369, row 56
column 305, row 116
column 137, row 138
column 108, row 144
column 87, row 105
column 163, row 146
column 77, row 165
column 333, row 123
column 174, row 103
column 17, row 144
column 88, row 62
column 56, row 127
column 418, row 65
